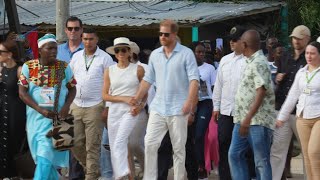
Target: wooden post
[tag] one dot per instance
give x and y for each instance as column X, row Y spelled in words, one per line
column 62, row 14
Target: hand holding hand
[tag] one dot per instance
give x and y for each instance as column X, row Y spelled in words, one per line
column 135, row 110
column 132, row 101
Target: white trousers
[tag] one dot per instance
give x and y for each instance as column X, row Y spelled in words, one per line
column 119, row 129
column 281, row 142
column 156, row 129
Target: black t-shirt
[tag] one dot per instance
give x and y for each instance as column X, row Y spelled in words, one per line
column 290, row 66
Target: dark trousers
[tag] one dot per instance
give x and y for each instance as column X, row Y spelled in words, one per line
column 202, row 119
column 191, row 159
column 165, row 160
column 75, row 169
column 225, row 128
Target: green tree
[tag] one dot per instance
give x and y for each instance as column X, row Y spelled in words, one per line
column 305, row 12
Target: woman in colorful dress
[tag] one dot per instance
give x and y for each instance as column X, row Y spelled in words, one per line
column 12, row 110
column 37, row 86
column 121, row 82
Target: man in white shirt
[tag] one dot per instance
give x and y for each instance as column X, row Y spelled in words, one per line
column 88, row 66
column 225, row 88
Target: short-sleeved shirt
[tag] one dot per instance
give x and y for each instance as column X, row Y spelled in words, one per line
column 256, row 75
column 36, row 77
column 64, row 53
column 172, row 77
column 207, row 80
column 89, row 71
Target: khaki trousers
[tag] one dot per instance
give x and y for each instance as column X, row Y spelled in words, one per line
column 309, row 133
column 88, row 128
column 156, row 129
column 281, row 142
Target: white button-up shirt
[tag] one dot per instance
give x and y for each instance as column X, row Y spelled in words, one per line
column 89, row 82
column 307, row 95
column 228, row 78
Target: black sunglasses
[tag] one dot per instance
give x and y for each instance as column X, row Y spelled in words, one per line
column 2, row 51
column 75, row 28
column 165, row 34
column 123, row 50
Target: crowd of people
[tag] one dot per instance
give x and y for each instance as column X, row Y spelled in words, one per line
column 157, row 115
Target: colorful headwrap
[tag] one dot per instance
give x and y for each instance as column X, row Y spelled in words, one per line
column 45, row 39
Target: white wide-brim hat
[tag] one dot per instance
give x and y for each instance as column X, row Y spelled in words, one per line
column 134, row 48
column 119, row 42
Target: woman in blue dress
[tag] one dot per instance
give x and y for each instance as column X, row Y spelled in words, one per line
column 39, row 77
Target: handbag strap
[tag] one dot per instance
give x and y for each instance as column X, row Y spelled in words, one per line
column 60, row 77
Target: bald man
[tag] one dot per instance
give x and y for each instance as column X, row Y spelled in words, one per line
column 254, row 113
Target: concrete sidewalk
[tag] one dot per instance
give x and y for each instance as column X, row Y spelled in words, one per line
column 296, row 169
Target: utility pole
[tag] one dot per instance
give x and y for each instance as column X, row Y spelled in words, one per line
column 62, row 14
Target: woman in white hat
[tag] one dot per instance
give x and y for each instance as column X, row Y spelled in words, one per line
column 121, row 82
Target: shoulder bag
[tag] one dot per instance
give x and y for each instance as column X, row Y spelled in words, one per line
column 62, row 132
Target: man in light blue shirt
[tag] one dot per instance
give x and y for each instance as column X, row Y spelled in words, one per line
column 173, row 69
column 74, row 44
column 73, row 30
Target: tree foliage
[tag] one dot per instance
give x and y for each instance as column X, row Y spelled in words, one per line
column 306, row 12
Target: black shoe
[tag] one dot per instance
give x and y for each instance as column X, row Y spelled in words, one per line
column 289, row 175
column 202, row 174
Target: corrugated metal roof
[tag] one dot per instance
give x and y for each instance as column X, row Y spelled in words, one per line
column 134, row 13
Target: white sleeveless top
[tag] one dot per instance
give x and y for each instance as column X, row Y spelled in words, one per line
column 123, row 82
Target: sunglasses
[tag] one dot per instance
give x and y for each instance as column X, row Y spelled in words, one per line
column 2, row 51
column 75, row 28
column 165, row 34
column 123, row 50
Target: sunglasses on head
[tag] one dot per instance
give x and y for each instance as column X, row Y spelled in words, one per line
column 75, row 28
column 123, row 50
column 165, row 34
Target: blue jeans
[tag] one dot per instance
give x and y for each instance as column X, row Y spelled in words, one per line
column 202, row 119
column 105, row 157
column 259, row 139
